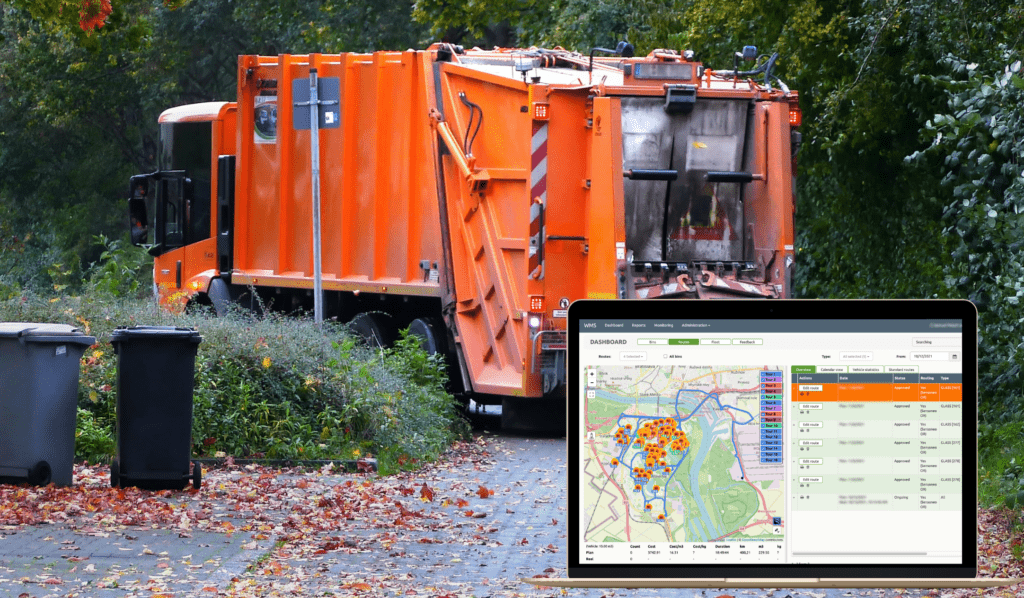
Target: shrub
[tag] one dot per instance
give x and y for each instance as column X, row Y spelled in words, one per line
column 981, row 140
column 274, row 386
column 121, row 270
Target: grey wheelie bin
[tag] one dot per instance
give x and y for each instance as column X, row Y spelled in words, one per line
column 155, row 381
column 39, row 367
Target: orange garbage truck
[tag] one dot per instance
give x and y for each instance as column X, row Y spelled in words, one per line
column 470, row 195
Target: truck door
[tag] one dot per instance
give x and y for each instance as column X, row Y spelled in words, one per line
column 687, row 219
column 171, row 208
column 173, row 199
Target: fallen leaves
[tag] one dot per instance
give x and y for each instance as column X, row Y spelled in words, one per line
column 292, row 521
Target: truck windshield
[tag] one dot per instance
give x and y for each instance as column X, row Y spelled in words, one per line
column 687, row 219
column 186, row 146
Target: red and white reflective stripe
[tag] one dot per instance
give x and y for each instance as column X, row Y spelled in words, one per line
column 538, row 196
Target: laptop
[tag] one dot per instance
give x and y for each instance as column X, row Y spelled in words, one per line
column 754, row 444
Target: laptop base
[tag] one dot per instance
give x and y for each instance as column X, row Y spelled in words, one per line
column 772, row 583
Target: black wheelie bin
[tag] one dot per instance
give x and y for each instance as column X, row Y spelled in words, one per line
column 155, row 381
column 39, row 368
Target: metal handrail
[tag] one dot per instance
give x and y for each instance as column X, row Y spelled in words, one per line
column 533, row 345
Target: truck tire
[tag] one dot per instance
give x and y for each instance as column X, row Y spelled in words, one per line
column 219, row 296
column 432, row 334
column 376, row 328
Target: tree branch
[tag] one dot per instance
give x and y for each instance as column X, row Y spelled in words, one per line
column 874, row 42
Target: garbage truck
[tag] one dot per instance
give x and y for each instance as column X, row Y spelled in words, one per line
column 470, row 195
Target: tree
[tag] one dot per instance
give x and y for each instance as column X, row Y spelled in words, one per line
column 78, row 110
column 980, row 139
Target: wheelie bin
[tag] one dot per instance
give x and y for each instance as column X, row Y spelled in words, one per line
column 39, row 369
column 155, row 382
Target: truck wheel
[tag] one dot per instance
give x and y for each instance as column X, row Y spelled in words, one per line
column 432, row 334
column 433, row 337
column 219, row 296
column 377, row 328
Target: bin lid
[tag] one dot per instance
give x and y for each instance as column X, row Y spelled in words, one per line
column 44, row 332
column 125, row 333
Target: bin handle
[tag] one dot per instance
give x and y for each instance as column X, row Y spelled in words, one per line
column 68, row 340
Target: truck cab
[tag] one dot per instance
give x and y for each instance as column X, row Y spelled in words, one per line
column 177, row 210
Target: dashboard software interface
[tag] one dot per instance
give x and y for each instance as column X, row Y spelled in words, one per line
column 786, row 441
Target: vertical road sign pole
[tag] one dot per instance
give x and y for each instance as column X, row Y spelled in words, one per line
column 314, row 144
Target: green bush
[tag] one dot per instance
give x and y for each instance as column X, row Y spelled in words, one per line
column 93, row 442
column 275, row 386
column 981, row 140
column 121, row 270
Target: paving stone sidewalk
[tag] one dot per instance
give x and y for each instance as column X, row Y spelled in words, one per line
column 457, row 544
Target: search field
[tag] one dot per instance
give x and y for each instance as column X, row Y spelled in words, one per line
column 936, row 341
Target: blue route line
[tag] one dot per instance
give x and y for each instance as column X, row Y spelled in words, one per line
column 633, row 433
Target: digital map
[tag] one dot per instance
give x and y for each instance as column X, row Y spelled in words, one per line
column 682, row 454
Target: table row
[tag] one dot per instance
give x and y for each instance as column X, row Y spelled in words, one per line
column 876, row 501
column 882, row 483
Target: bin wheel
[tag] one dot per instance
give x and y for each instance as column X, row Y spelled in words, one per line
column 197, row 475
column 115, row 474
column 40, row 474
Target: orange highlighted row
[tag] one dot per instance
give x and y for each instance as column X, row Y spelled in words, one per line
column 861, row 392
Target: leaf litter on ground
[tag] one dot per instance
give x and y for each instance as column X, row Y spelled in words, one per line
column 300, row 516
column 309, row 520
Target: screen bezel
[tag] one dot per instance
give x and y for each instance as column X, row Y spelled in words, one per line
column 808, row 309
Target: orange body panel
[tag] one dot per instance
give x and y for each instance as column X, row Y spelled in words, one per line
column 378, row 198
column 501, row 228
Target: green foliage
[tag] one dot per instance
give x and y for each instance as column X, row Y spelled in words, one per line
column 122, row 269
column 93, row 442
column 999, row 450
column 272, row 387
column 78, row 111
column 981, row 141
column 410, row 413
column 572, row 24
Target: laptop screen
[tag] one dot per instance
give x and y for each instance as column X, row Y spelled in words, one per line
column 723, row 439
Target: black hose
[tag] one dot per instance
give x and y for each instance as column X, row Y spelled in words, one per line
column 767, row 67
column 467, row 141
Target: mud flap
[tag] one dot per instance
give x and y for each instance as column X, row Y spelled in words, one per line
column 535, row 415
